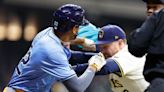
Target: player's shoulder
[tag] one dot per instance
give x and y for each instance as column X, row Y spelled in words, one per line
column 161, row 13
column 47, row 40
column 124, row 54
column 41, row 35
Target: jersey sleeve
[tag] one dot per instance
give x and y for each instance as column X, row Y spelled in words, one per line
column 128, row 64
column 56, row 63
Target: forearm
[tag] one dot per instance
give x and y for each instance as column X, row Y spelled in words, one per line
column 110, row 67
column 80, row 68
column 77, row 41
column 79, row 84
column 79, row 57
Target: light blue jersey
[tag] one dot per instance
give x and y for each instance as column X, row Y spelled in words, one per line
column 45, row 63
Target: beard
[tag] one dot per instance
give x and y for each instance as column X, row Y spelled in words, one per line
column 107, row 55
column 73, row 36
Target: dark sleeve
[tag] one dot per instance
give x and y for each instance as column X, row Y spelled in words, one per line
column 80, row 68
column 79, row 84
column 79, row 57
column 110, row 67
column 139, row 40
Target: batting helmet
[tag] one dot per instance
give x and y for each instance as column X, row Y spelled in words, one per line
column 154, row 1
column 68, row 16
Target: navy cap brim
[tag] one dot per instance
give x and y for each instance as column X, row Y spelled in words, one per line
column 103, row 42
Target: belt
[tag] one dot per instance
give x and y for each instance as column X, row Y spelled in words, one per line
column 18, row 90
column 10, row 89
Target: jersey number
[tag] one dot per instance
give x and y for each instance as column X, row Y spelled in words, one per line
column 116, row 84
column 24, row 60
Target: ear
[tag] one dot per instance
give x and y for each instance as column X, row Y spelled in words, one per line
column 121, row 43
column 75, row 29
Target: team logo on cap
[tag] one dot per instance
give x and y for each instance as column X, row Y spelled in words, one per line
column 101, row 34
column 116, row 37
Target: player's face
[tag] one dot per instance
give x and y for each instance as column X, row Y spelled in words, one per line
column 153, row 8
column 109, row 49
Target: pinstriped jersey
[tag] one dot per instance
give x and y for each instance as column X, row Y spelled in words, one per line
column 131, row 78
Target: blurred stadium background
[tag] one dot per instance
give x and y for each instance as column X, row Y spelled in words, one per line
column 21, row 20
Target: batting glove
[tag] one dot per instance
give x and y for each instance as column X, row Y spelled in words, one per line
column 97, row 61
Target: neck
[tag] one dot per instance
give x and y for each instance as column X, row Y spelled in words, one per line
column 62, row 36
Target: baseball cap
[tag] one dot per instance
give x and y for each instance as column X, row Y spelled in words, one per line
column 109, row 34
column 154, row 1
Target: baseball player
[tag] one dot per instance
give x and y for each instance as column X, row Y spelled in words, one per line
column 124, row 69
column 46, row 61
column 86, row 36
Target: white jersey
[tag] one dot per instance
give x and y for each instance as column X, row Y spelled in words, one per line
column 131, row 78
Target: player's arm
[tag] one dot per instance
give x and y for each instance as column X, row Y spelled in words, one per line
column 78, row 57
column 87, row 44
column 79, row 84
column 77, row 41
column 110, row 67
column 80, row 68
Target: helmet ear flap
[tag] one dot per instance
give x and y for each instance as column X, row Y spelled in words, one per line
column 55, row 25
column 63, row 26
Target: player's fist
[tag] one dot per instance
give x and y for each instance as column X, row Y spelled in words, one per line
column 89, row 45
column 97, row 61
